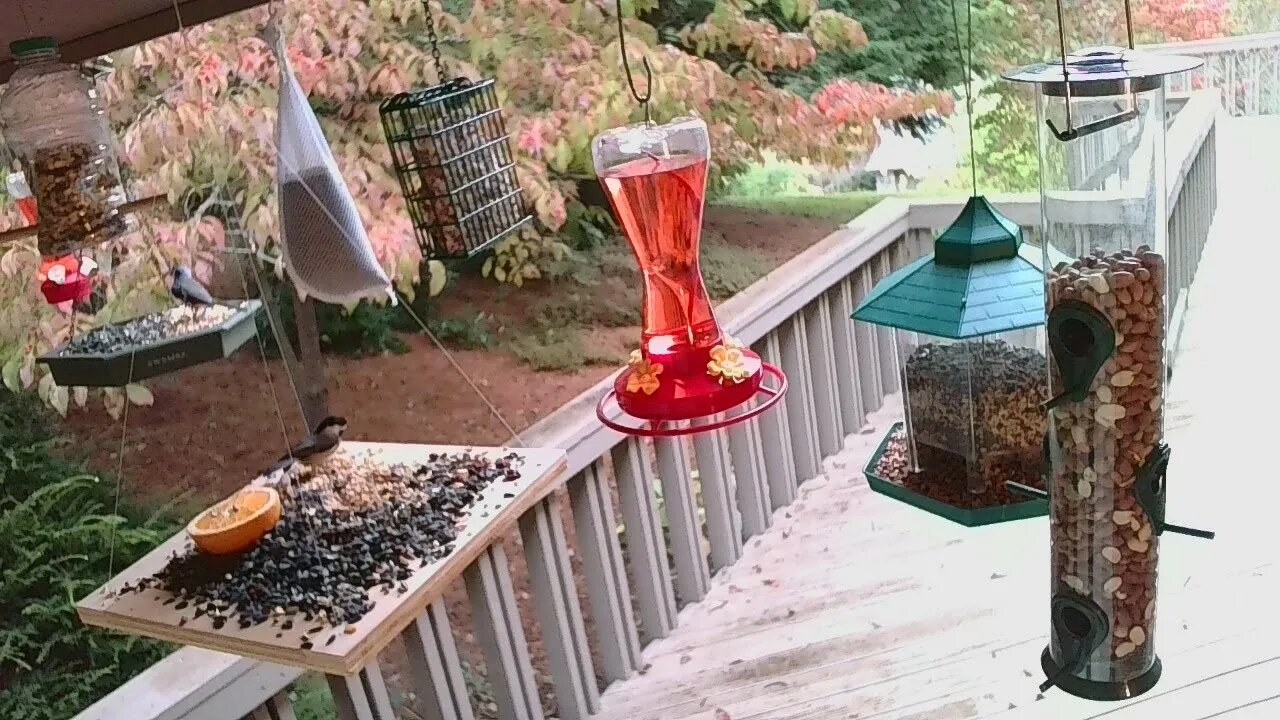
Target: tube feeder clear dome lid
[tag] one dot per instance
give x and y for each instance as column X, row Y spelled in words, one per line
column 1104, row 70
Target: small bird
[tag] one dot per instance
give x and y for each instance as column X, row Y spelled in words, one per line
column 187, row 289
column 317, row 448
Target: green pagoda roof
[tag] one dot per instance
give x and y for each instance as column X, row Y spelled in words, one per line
column 979, row 280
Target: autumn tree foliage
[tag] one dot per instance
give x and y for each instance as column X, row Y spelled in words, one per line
column 194, row 115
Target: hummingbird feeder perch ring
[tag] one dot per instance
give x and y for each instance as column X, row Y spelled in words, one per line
column 669, row 426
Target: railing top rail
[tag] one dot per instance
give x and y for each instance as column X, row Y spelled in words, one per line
column 1218, row 45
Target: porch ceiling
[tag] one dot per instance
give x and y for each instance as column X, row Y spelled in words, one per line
column 89, row 28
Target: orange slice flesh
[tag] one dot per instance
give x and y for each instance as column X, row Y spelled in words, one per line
column 232, row 511
column 237, row 523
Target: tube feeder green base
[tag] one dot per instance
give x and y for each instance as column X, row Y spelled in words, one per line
column 127, row 365
column 968, row 517
column 1101, row 689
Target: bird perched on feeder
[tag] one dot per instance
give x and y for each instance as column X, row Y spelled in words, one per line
column 317, row 448
column 188, row 290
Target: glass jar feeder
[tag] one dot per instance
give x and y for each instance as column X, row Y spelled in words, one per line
column 55, row 127
column 1101, row 119
column 687, row 373
column 969, row 345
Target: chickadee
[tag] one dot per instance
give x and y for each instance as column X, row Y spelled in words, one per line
column 188, row 290
column 317, row 448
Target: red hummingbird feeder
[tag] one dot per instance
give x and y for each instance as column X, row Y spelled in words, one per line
column 686, row 369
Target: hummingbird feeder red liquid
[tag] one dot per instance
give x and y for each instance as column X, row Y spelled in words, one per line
column 686, row 369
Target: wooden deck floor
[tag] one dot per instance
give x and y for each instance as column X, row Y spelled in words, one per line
column 855, row 606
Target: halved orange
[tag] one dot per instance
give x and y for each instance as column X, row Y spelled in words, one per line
column 237, row 523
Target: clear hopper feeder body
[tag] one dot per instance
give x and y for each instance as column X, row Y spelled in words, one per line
column 1103, row 204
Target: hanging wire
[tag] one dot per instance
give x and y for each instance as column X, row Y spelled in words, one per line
column 967, row 68
column 626, row 67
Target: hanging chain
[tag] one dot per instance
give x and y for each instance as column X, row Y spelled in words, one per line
column 441, row 70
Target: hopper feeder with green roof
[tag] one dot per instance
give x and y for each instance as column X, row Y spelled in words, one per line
column 966, row 323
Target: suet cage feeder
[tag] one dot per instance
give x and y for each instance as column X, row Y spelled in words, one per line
column 146, row 358
column 687, row 374
column 1101, row 119
column 967, row 322
column 453, row 159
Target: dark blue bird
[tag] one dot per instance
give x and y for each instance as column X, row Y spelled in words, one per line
column 188, row 290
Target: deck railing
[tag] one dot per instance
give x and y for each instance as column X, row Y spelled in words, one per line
column 1245, row 69
column 636, row 574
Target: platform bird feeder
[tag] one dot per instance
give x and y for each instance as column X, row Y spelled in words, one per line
column 687, row 374
column 967, row 322
column 1101, row 119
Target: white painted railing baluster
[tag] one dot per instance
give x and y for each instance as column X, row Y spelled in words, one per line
column 434, row 669
column 498, row 628
column 867, row 341
column 822, row 366
column 885, row 345
column 799, row 399
column 844, row 345
column 711, row 458
column 775, row 436
column 555, row 600
column 683, row 525
column 362, row 696
column 607, row 587
column 646, row 550
column 750, row 478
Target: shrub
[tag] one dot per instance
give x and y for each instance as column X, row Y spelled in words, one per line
column 57, row 538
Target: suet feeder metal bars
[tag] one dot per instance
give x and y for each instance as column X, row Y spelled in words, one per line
column 686, row 369
column 1101, row 120
column 967, row 323
column 452, row 156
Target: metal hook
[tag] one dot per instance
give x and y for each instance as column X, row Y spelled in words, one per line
column 626, row 67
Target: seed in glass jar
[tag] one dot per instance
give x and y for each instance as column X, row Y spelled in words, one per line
column 1078, row 435
column 1104, row 394
column 1121, row 632
column 1108, row 414
column 1137, row 545
column 1074, row 583
column 1125, row 648
column 1124, row 378
column 1145, row 533
column 1084, row 489
column 1150, row 610
column 1122, row 517
column 1138, row 635
column 1112, row 554
column 1122, row 596
column 1112, row 584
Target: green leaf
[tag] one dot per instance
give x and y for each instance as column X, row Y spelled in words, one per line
column 139, row 395
column 439, row 277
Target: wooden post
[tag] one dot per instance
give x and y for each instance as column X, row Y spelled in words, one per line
column 312, row 388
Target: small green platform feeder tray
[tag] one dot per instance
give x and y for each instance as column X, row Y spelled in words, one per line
column 967, row 322
column 975, row 517
column 119, row 368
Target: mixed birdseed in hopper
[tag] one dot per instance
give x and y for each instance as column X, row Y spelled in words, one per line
column 346, row 532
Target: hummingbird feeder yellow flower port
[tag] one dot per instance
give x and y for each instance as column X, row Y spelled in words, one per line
column 726, row 364
column 644, row 374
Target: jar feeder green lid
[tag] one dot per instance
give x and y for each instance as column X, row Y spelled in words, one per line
column 980, row 279
column 33, row 45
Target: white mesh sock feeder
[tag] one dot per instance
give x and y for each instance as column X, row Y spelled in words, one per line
column 1101, row 120
column 452, row 156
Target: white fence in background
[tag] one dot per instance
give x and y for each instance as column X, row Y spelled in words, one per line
column 798, row 317
column 1245, row 69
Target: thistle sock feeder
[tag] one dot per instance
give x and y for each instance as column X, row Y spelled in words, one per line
column 1101, row 118
column 969, row 348
column 687, row 374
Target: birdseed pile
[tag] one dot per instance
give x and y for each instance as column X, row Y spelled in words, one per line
column 150, row 329
column 945, row 477
column 347, row 531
